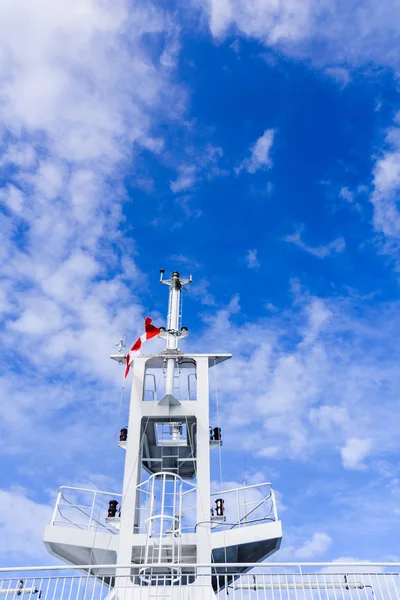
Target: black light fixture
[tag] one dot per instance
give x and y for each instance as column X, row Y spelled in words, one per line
column 112, row 508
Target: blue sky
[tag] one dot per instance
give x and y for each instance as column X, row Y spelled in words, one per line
column 256, row 145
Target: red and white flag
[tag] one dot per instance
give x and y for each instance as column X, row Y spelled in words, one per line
column 150, row 331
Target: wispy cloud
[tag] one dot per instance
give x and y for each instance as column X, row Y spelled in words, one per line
column 386, row 189
column 252, row 259
column 201, row 291
column 339, row 74
column 317, row 390
column 187, row 261
column 199, row 164
column 334, row 247
column 187, row 177
column 259, row 154
column 346, row 194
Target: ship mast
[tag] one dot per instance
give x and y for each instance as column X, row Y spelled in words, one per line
column 166, row 523
column 173, row 332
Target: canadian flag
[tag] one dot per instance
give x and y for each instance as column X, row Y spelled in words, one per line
column 150, row 331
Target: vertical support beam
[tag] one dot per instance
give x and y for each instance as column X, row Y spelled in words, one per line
column 203, row 463
column 133, row 463
column 169, row 387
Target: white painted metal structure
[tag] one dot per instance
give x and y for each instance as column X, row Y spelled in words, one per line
column 166, row 525
column 266, row 581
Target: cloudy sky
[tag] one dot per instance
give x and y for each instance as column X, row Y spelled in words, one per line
column 256, row 145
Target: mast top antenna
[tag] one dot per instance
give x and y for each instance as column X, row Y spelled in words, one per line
column 174, row 331
column 174, row 279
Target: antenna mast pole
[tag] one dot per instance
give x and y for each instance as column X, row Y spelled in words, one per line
column 173, row 332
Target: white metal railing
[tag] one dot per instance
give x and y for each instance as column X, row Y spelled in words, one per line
column 262, row 581
column 83, row 508
column 248, row 505
column 87, row 509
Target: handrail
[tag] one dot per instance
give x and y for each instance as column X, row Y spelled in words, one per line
column 68, row 520
column 160, row 473
column 239, row 566
column 68, row 487
column 253, row 509
column 274, row 504
column 87, row 512
column 244, row 487
column 62, row 500
column 91, row 520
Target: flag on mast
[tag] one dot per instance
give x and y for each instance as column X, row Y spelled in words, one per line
column 150, row 331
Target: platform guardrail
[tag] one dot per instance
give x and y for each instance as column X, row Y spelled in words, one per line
column 86, row 509
column 261, row 581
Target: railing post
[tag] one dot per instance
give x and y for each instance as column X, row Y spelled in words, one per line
column 245, row 504
column 53, row 520
column 274, row 508
column 92, row 510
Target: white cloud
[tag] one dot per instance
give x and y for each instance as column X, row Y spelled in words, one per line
column 83, row 86
column 261, row 19
column 334, row 247
column 189, row 209
column 386, row 182
column 201, row 291
column 252, row 260
column 346, row 194
column 339, row 74
column 186, row 179
column 22, row 522
column 298, row 545
column 318, row 545
column 259, row 153
column 313, row 376
column 328, row 418
column 318, row 316
column 13, row 199
column 186, row 261
column 344, row 33
column 355, row 451
column 197, row 166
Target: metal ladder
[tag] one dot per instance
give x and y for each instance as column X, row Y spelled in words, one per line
column 169, row 454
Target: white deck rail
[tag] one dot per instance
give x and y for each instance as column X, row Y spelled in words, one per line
column 265, row 581
column 83, row 508
column 248, row 505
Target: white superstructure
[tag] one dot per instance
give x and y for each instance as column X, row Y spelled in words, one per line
column 166, row 515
